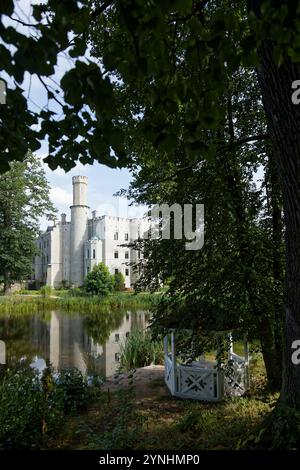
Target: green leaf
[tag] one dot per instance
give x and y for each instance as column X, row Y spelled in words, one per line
column 7, row 7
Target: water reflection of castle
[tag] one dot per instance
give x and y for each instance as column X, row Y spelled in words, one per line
column 66, row 342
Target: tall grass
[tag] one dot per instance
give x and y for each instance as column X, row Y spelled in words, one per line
column 140, row 350
column 46, row 291
column 15, row 305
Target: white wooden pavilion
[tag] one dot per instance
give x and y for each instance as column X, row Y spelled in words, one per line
column 205, row 379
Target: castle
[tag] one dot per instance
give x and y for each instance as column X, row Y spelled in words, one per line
column 68, row 251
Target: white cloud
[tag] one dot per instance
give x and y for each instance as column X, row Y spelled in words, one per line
column 60, row 197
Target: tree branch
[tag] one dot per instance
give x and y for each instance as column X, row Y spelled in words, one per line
column 101, row 9
column 49, row 91
column 247, row 140
column 23, row 23
column 225, row 148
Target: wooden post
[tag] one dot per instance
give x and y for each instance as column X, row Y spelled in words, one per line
column 246, row 356
column 166, row 345
column 231, row 346
column 174, row 368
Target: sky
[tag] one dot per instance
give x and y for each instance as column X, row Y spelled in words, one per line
column 103, row 182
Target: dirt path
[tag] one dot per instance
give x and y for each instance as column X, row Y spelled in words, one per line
column 148, row 382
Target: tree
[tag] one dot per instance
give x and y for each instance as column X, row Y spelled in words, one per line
column 24, row 198
column 180, row 58
column 231, row 283
column 164, row 67
column 119, row 282
column 279, row 64
column 99, row 281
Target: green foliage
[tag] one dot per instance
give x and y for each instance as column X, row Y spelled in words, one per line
column 119, row 282
column 99, row 281
column 75, row 292
column 27, row 292
column 24, row 198
column 140, row 350
column 141, row 45
column 74, row 391
column 32, row 408
column 16, row 305
column 28, row 412
column 190, row 421
column 279, row 430
column 46, row 291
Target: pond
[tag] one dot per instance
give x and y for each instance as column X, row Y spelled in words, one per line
column 89, row 342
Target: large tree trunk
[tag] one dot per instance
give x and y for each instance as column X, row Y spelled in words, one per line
column 284, row 125
column 278, row 265
column 272, row 356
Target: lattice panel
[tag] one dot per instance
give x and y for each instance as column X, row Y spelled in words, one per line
column 235, row 379
column 197, row 383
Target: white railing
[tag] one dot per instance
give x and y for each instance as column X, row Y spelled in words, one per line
column 198, row 383
column 202, row 380
column 169, row 373
column 236, row 376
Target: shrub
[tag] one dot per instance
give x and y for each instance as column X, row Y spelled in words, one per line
column 140, row 350
column 32, row 407
column 27, row 411
column 99, row 281
column 119, row 282
column 75, row 292
column 46, row 291
column 74, row 390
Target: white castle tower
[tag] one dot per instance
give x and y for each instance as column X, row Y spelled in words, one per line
column 79, row 228
column 69, row 250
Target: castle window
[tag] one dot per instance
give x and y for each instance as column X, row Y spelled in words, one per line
column 126, row 272
column 117, row 337
column 126, row 254
column 116, row 254
column 117, row 357
column 127, row 334
column 126, row 237
column 88, row 253
column 116, row 236
column 94, row 254
column 116, row 271
column 87, row 270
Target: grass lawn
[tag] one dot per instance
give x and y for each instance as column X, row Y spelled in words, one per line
column 123, row 420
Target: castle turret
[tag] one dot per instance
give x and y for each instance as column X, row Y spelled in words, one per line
column 79, row 229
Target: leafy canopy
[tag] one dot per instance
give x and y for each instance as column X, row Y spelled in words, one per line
column 24, row 198
column 173, row 56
